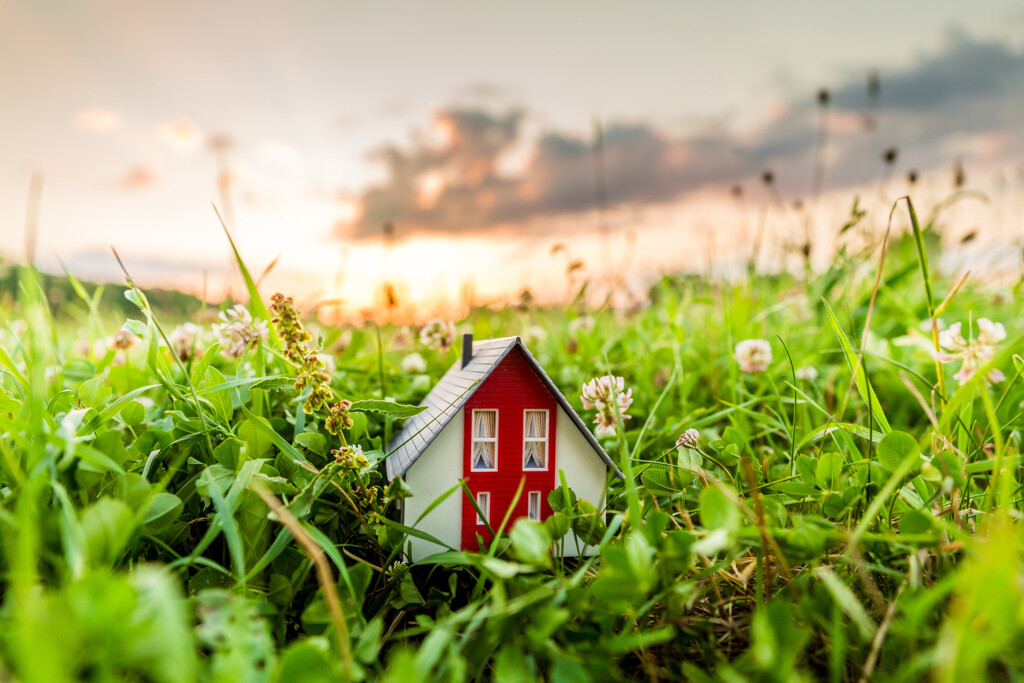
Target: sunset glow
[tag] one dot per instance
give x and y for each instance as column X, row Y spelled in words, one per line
column 452, row 188
column 408, row 340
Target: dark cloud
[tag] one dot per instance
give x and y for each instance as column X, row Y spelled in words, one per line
column 452, row 183
column 934, row 111
column 458, row 185
column 968, row 71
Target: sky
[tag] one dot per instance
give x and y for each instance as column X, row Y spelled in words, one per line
column 470, row 130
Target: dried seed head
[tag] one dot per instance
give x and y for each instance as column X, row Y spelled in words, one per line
column 874, row 84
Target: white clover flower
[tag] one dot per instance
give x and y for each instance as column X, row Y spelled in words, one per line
column 584, row 323
column 753, row 355
column 973, row 353
column 82, row 348
column 605, row 393
column 688, row 439
column 990, row 333
column 951, row 339
column 413, row 364
column 806, row 373
column 184, row 339
column 535, row 334
column 237, row 332
column 438, row 334
column 123, row 340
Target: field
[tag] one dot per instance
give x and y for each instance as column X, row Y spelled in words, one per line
column 187, row 503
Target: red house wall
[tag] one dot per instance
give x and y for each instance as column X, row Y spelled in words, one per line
column 510, row 389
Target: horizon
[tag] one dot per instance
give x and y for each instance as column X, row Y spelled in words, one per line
column 485, row 166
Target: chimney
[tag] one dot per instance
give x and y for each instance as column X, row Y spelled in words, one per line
column 467, row 349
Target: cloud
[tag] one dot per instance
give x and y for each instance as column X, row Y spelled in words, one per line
column 968, row 71
column 450, row 179
column 181, row 135
column 279, row 154
column 965, row 100
column 455, row 183
column 138, row 177
column 97, row 119
column 948, row 105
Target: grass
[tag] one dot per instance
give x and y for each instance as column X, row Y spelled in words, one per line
column 167, row 518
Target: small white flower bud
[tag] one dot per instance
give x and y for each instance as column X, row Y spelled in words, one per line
column 688, row 439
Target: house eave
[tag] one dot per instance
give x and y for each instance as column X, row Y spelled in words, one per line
column 399, row 466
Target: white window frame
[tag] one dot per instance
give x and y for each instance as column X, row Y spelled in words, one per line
column 483, row 501
column 473, row 439
column 547, row 434
column 533, row 505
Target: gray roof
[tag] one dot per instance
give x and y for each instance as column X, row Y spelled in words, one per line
column 451, row 393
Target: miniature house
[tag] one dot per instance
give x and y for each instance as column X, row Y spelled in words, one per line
column 493, row 419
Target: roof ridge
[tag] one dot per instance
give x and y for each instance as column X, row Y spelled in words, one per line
column 459, row 384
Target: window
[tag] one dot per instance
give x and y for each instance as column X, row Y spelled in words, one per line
column 485, row 440
column 535, row 439
column 533, row 511
column 483, row 501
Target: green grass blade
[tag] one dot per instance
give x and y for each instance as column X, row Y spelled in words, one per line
column 922, row 256
column 867, row 393
column 228, row 524
column 256, row 305
column 264, row 427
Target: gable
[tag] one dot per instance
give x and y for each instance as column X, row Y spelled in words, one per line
column 512, row 379
column 445, row 400
column 456, row 387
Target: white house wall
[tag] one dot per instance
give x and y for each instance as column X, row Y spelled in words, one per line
column 585, row 473
column 437, row 470
column 440, row 467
